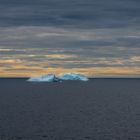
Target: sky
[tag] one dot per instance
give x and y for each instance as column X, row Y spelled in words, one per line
column 98, row 38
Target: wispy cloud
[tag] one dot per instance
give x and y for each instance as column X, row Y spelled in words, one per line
column 30, row 48
column 91, row 37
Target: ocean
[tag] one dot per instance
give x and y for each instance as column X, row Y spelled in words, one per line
column 100, row 109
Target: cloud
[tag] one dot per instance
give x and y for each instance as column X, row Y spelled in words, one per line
column 52, row 37
column 62, row 13
column 65, row 35
column 24, row 71
column 46, row 47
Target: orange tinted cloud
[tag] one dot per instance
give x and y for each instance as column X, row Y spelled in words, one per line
column 27, row 71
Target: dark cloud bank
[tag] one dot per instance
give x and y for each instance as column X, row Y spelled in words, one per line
column 72, row 13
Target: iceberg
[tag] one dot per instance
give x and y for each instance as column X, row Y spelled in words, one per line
column 44, row 78
column 72, row 76
column 61, row 77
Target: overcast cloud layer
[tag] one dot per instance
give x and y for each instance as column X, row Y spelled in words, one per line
column 90, row 36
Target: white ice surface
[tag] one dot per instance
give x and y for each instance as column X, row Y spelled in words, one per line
column 43, row 78
column 72, row 76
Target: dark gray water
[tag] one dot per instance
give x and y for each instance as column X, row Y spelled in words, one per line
column 101, row 109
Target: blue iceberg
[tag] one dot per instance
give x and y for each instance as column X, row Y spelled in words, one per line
column 72, row 76
column 61, row 77
column 43, row 78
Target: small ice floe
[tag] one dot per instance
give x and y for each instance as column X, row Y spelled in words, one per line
column 72, row 76
column 44, row 78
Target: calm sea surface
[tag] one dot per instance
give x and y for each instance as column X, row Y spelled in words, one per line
column 100, row 109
